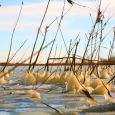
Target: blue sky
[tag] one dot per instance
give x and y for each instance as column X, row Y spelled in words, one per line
column 77, row 20
column 17, row 2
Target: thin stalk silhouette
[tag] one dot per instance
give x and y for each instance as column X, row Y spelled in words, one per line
column 59, row 24
column 25, row 60
column 39, row 28
column 58, row 112
column 54, row 57
column 40, row 49
column 17, row 51
column 12, row 36
column 73, row 59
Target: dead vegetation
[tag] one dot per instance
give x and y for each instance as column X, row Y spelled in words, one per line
column 75, row 78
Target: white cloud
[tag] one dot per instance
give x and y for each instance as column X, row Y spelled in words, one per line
column 32, row 13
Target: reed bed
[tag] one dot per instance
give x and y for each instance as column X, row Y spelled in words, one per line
column 85, row 84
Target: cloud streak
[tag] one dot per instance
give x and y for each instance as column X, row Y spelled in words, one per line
column 32, row 13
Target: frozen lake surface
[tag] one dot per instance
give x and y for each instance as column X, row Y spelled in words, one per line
column 19, row 103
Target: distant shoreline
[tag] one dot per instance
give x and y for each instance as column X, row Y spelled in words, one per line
column 61, row 64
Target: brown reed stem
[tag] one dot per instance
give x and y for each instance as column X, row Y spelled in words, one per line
column 56, row 33
column 38, row 33
column 59, row 112
column 25, row 60
column 17, row 51
column 12, row 36
column 40, row 48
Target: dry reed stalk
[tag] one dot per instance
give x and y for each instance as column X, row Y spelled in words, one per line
column 58, row 111
column 85, row 91
column 59, row 24
column 17, row 51
column 25, row 60
column 68, row 55
column 46, row 65
column 54, row 57
column 12, row 36
column 73, row 59
column 39, row 28
column 68, row 52
column 111, row 79
column 61, row 58
column 72, row 3
column 40, row 49
column 91, row 36
column 103, row 82
column 111, row 48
